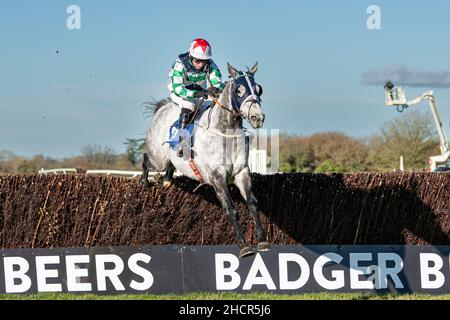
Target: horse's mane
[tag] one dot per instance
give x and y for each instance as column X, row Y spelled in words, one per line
column 152, row 107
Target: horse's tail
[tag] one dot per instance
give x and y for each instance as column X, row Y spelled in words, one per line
column 152, row 107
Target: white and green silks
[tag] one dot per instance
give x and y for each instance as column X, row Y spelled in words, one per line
column 183, row 77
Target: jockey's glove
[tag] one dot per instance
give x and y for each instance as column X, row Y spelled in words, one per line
column 213, row 91
column 201, row 94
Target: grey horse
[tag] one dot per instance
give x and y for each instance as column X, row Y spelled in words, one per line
column 219, row 152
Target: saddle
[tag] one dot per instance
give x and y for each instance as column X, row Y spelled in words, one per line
column 187, row 132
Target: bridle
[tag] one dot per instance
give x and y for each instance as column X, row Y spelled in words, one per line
column 252, row 97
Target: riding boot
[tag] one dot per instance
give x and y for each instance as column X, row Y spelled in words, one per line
column 184, row 119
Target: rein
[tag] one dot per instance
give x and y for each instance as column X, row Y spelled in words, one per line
column 217, row 102
column 237, row 114
column 224, row 108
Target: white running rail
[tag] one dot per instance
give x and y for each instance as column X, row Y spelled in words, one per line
column 61, row 171
column 129, row 174
column 257, row 163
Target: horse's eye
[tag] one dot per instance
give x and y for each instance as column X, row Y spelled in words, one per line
column 240, row 91
column 258, row 89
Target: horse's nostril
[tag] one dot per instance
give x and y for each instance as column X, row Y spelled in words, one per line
column 253, row 118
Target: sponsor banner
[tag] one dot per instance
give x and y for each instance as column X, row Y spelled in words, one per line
column 182, row 269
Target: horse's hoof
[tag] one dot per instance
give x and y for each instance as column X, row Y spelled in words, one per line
column 167, row 184
column 144, row 182
column 263, row 246
column 246, row 251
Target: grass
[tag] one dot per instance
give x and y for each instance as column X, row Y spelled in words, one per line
column 227, row 296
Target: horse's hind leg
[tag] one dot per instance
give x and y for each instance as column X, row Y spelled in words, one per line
column 244, row 183
column 145, row 170
column 224, row 197
column 169, row 175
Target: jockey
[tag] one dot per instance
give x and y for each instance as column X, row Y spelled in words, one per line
column 188, row 80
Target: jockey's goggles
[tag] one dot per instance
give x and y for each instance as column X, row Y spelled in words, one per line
column 199, row 60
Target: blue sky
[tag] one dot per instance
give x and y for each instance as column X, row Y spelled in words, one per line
column 312, row 57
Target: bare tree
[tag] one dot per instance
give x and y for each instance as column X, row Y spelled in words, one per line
column 410, row 135
column 95, row 154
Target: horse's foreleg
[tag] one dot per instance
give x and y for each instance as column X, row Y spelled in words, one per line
column 230, row 210
column 224, row 197
column 244, row 183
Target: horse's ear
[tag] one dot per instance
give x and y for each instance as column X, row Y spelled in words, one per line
column 232, row 71
column 253, row 69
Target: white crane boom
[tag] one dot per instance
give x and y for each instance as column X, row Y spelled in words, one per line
column 395, row 96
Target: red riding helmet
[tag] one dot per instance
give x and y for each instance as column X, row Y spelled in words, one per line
column 200, row 49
